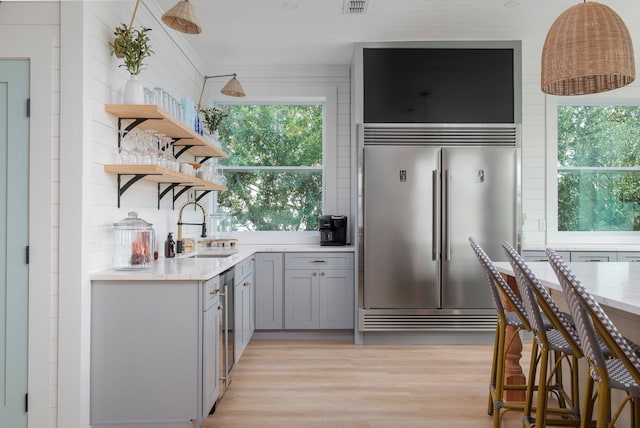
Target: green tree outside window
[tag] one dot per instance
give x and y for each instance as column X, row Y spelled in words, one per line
column 598, row 168
column 274, row 168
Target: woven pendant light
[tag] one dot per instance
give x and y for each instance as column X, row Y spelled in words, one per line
column 181, row 17
column 233, row 88
column 588, row 50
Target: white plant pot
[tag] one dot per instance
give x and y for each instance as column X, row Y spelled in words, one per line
column 133, row 91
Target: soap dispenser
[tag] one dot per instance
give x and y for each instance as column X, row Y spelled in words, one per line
column 169, row 247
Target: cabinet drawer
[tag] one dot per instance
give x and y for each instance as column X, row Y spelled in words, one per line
column 210, row 290
column 630, row 256
column 242, row 269
column 541, row 255
column 591, row 256
column 318, row 261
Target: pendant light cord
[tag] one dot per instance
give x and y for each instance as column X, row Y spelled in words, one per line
column 135, row 10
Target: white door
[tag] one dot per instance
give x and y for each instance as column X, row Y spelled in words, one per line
column 14, row 215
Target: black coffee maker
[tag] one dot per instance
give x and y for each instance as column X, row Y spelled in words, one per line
column 333, row 229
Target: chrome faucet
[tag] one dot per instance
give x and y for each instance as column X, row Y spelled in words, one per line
column 179, row 247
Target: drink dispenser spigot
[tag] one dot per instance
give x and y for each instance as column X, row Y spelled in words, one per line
column 134, row 243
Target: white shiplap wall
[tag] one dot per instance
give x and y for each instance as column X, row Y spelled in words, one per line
column 533, row 147
column 174, row 67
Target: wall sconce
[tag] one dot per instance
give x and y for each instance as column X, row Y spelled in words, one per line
column 232, row 88
column 182, row 17
column 588, row 50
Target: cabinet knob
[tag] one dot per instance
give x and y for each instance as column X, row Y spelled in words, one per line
column 246, row 283
column 220, row 307
column 314, row 274
column 321, row 273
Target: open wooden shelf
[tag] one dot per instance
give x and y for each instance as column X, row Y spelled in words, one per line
column 160, row 175
column 152, row 117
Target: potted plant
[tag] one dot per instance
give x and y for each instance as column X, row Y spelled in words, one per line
column 211, row 118
column 132, row 45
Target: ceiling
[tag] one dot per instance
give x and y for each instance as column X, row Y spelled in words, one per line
column 313, row 32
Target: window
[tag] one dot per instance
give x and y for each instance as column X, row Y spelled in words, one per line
column 275, row 166
column 598, row 168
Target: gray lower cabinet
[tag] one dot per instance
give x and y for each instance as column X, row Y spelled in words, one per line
column 153, row 353
column 269, row 291
column 244, row 288
column 318, row 291
column 301, row 299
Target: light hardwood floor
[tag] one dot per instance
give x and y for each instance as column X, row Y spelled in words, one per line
column 337, row 384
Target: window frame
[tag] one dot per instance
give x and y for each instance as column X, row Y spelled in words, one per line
column 280, row 94
column 629, row 96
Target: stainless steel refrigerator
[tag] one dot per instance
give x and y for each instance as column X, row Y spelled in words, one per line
column 425, row 189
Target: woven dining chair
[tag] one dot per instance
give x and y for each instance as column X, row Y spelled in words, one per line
column 515, row 318
column 621, row 372
column 549, row 350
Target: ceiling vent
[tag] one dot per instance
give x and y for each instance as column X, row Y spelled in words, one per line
column 353, row 7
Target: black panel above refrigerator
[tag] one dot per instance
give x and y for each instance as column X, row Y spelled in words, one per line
column 438, row 85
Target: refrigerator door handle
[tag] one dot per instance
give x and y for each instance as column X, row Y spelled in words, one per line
column 447, row 215
column 435, row 206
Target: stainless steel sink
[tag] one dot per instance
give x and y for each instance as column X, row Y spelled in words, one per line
column 210, row 256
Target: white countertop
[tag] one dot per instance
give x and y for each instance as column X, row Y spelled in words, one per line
column 188, row 268
column 614, row 284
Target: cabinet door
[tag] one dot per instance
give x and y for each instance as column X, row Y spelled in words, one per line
column 301, row 294
column 237, row 321
column 146, row 352
column 242, row 269
column 247, row 285
column 269, row 291
column 336, row 299
column 210, row 357
column 252, row 299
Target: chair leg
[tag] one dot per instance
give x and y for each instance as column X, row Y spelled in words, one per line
column 531, row 385
column 587, row 403
column 500, row 378
column 604, row 404
column 557, row 356
column 493, row 382
column 575, row 384
column 543, row 391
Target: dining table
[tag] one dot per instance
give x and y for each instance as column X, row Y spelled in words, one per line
column 614, row 285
